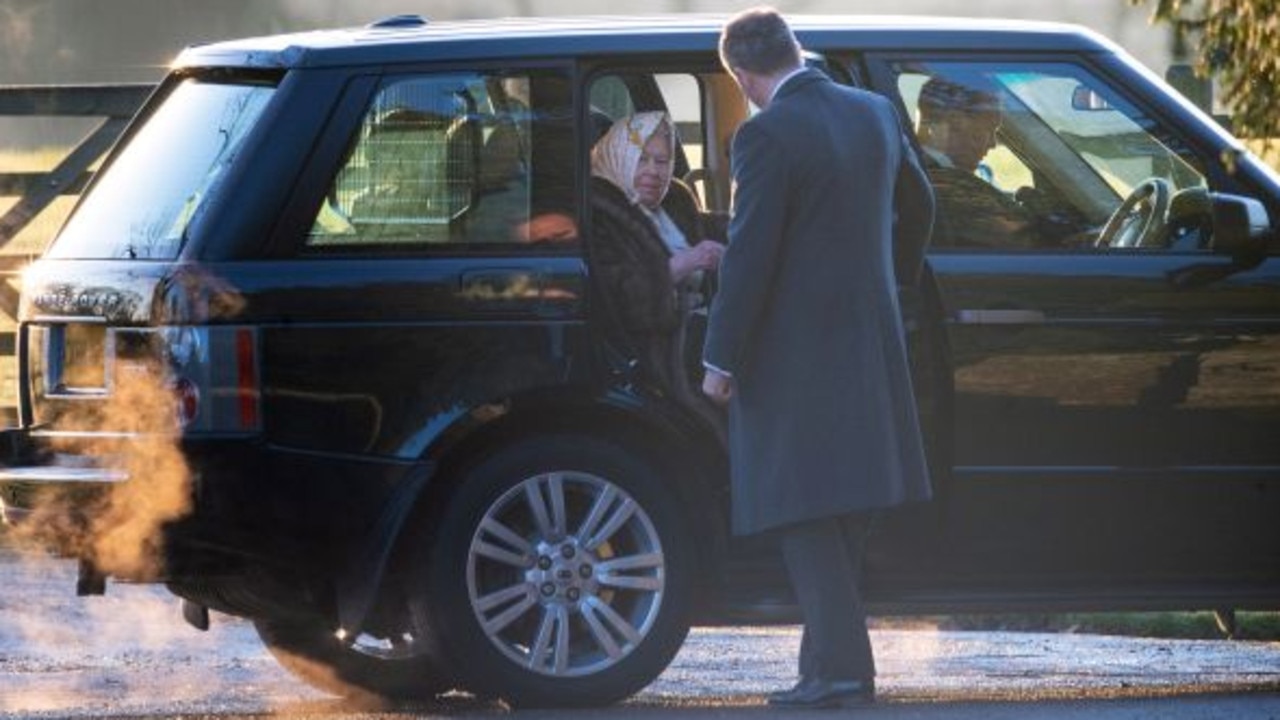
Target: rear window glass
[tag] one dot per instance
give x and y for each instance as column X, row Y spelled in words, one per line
column 141, row 205
column 457, row 162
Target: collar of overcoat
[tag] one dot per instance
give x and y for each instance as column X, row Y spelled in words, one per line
column 798, row 81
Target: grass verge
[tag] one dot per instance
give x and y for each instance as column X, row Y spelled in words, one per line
column 1185, row 625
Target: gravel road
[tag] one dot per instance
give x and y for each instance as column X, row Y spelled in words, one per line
column 129, row 654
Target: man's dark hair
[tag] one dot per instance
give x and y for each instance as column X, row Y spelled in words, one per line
column 941, row 95
column 759, row 41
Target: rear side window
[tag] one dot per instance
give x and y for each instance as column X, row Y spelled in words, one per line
column 456, row 161
column 141, row 205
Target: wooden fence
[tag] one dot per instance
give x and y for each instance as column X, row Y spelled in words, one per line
column 35, row 191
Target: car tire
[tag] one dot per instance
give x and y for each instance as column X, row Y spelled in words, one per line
column 312, row 653
column 561, row 574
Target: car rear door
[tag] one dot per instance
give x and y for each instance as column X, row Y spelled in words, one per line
column 428, row 263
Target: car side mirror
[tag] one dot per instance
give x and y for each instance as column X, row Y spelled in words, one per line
column 1241, row 226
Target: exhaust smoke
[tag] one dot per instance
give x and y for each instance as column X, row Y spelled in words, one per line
column 127, row 533
column 119, row 528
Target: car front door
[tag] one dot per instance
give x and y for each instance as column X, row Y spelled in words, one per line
column 1117, row 380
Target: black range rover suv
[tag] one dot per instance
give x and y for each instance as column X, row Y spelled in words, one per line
column 320, row 347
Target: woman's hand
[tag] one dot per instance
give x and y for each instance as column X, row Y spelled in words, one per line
column 703, row 256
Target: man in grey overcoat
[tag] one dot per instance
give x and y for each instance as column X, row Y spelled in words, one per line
column 806, row 343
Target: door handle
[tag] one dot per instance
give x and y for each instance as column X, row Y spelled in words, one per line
column 999, row 317
column 502, row 285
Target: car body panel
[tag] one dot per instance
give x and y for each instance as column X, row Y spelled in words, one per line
column 1108, row 414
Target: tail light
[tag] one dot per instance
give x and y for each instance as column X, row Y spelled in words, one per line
column 247, row 377
column 215, row 377
column 186, row 401
column 78, row 366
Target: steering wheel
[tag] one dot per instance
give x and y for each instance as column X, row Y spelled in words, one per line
column 1140, row 219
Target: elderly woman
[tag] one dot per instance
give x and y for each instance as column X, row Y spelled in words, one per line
column 649, row 248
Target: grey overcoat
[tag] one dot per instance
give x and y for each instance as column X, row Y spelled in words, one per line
column 830, row 199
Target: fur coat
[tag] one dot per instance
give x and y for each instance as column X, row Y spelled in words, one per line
column 645, row 314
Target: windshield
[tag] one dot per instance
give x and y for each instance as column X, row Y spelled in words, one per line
column 142, row 204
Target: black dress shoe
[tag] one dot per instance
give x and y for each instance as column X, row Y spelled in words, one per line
column 785, row 695
column 819, row 693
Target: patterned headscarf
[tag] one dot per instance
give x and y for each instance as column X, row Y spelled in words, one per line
column 617, row 154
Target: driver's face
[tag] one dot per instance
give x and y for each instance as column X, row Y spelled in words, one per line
column 969, row 136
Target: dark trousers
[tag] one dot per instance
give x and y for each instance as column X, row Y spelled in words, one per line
column 824, row 560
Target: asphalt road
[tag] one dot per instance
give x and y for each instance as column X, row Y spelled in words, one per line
column 128, row 654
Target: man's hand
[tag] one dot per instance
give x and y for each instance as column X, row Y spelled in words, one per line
column 717, row 386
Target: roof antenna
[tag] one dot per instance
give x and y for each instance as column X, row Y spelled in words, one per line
column 399, row 21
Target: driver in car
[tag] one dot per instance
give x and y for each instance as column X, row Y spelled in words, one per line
column 957, row 127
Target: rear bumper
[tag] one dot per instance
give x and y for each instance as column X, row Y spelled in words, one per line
column 30, row 475
column 248, row 503
column 107, row 494
column 23, row 488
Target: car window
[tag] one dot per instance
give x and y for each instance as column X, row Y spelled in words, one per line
column 683, row 98
column 610, row 99
column 157, row 184
column 1048, row 155
column 616, row 95
column 456, row 161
